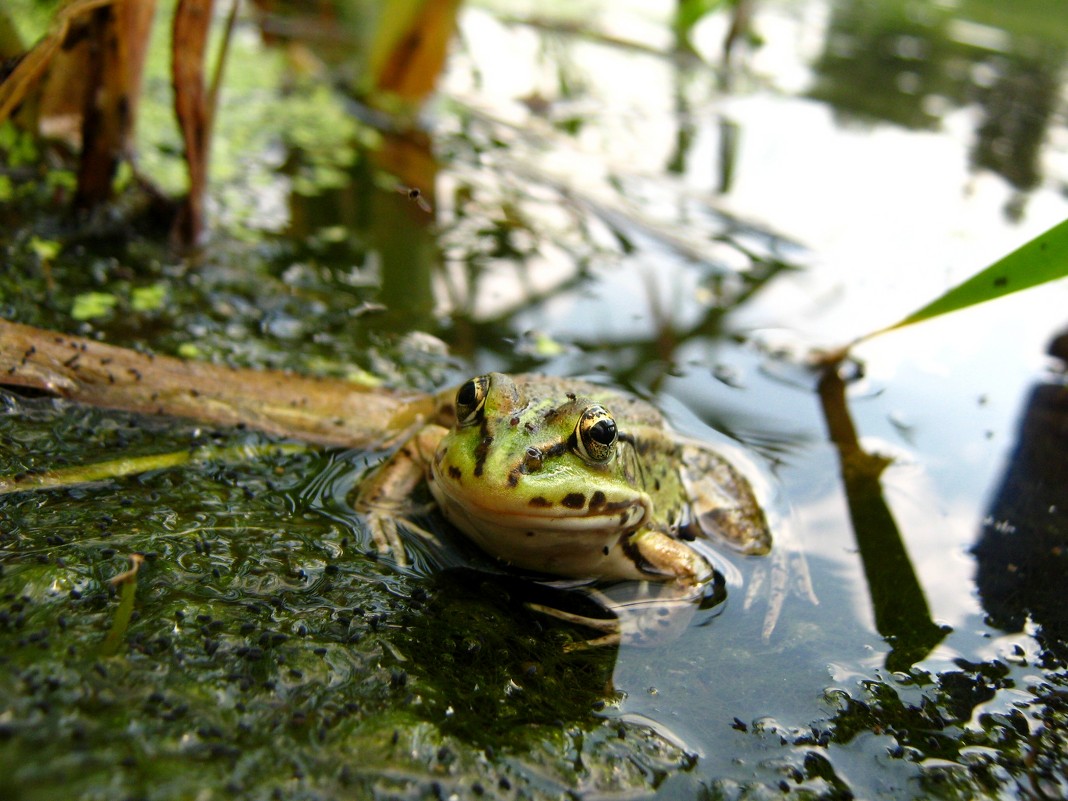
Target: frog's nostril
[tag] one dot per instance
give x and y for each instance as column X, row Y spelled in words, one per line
column 532, row 460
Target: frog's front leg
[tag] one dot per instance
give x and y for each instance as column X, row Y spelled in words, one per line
column 385, row 495
column 676, row 578
column 664, row 558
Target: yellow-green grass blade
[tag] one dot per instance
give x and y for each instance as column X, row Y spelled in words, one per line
column 134, row 465
column 127, row 583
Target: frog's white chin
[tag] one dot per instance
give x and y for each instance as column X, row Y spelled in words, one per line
column 556, row 540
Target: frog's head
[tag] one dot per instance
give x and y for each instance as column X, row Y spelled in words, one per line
column 527, row 462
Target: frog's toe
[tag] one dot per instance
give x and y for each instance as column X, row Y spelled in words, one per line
column 386, row 536
column 786, row 575
column 613, row 639
column 613, row 632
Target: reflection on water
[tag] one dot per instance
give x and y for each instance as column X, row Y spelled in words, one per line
column 1018, row 106
column 912, row 64
column 1022, row 553
column 902, row 615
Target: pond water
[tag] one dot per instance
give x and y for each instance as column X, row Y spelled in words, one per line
column 600, row 204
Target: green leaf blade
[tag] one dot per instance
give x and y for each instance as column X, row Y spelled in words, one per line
column 1043, row 259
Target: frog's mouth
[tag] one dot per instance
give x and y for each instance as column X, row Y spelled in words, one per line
column 564, row 538
column 573, row 513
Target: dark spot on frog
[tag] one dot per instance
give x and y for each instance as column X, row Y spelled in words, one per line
column 513, row 478
column 574, row 500
column 514, row 421
column 605, row 550
column 539, row 503
column 481, row 452
column 597, row 500
column 455, row 472
column 530, row 533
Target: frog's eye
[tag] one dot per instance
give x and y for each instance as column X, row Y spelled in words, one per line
column 470, row 398
column 595, row 435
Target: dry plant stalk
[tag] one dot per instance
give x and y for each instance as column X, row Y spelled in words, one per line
column 81, row 83
column 193, row 108
column 319, row 410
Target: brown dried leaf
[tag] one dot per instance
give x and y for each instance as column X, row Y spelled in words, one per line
column 410, row 47
column 86, row 74
column 21, row 81
column 192, row 19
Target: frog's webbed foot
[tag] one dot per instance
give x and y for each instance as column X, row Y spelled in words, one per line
column 724, row 508
column 787, row 574
column 384, row 495
column 644, row 613
column 385, row 526
column 723, row 505
column 385, row 533
column 613, row 630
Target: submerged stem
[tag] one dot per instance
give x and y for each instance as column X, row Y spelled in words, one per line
column 128, row 582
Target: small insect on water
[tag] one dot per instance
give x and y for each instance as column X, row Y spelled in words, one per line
column 416, row 196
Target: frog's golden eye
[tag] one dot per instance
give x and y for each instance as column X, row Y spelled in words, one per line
column 470, row 398
column 596, row 434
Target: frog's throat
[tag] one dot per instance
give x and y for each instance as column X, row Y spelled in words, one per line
column 575, row 544
column 618, row 516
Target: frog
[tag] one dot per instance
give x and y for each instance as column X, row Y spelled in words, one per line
column 569, row 479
